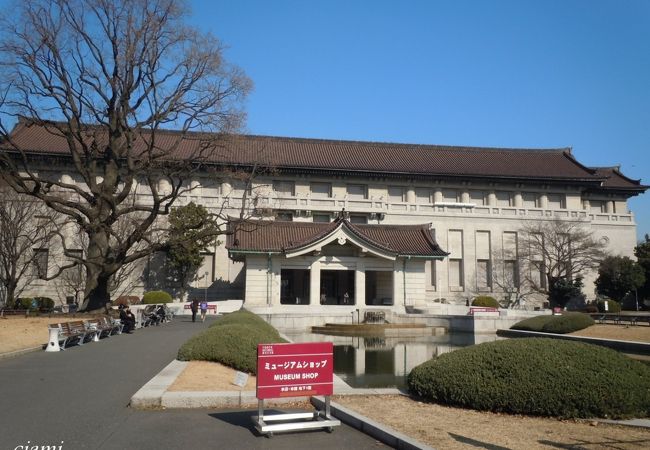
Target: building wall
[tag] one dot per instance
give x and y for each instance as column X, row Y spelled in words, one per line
column 453, row 208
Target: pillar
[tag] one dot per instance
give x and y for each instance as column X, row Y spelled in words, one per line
column 360, row 284
column 314, row 283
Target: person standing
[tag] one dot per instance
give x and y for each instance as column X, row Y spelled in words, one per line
column 204, row 310
column 195, row 308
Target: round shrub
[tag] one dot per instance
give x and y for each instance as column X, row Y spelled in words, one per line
column 612, row 306
column 486, row 301
column 153, row 297
column 534, row 376
column 243, row 317
column 44, row 303
column 567, row 322
column 234, row 345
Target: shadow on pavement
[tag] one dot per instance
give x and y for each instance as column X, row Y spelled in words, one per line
column 475, row 443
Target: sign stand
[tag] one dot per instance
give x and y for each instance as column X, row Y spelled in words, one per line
column 286, row 370
column 294, row 421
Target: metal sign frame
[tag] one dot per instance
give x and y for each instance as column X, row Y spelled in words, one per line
column 273, row 358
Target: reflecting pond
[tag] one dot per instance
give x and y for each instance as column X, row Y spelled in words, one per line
column 375, row 362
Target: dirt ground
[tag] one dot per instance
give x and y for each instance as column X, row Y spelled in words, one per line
column 208, row 376
column 636, row 333
column 19, row 332
column 443, row 427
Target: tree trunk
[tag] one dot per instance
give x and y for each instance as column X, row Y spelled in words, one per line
column 96, row 292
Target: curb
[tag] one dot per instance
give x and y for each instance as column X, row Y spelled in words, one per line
column 150, row 395
column 368, row 426
column 23, row 351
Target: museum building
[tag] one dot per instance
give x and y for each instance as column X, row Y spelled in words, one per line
column 339, row 224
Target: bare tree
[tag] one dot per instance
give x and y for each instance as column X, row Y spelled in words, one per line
column 507, row 279
column 105, row 77
column 555, row 250
column 27, row 231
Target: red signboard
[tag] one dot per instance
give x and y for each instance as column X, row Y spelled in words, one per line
column 295, row 370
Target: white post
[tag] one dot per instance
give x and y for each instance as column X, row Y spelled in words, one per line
column 53, row 343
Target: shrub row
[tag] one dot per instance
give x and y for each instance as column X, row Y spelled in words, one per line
column 568, row 322
column 153, row 297
column 534, row 376
column 232, row 340
column 34, row 304
column 486, row 301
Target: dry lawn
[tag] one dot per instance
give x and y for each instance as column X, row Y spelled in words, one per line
column 19, row 332
column 208, row 376
column 636, row 333
column 443, row 427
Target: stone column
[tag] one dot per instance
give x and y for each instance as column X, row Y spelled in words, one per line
column 464, row 197
column 360, row 284
column 492, row 198
column 543, row 201
column 437, row 196
column 609, row 207
column 410, row 195
column 519, row 200
column 314, row 283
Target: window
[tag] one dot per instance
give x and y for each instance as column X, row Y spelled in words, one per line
column 358, row 218
column 422, row 195
column 483, row 275
column 40, row 262
column 511, row 273
column 284, row 216
column 357, row 191
column 478, row 197
column 321, row 218
column 284, row 188
column 529, row 200
column 556, row 201
column 430, row 269
column 504, row 198
column 450, row 196
column 396, row 194
column 321, row 190
column 456, row 274
column 538, row 274
column 76, row 271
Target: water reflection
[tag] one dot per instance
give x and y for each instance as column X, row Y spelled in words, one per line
column 374, row 362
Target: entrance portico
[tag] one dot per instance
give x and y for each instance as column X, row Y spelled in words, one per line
column 334, row 265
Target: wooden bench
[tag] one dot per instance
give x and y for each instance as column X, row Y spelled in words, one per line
column 99, row 328
column 70, row 332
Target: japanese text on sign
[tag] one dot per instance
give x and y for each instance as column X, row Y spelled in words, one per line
column 285, row 370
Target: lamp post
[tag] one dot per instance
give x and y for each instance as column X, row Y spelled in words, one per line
column 205, row 290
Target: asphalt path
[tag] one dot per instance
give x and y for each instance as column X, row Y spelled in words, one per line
column 78, row 399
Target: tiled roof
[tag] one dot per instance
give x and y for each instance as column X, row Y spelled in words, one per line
column 349, row 156
column 616, row 180
column 279, row 237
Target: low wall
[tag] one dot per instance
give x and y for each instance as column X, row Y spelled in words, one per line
column 461, row 323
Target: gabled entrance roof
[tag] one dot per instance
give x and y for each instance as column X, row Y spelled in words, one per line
column 299, row 238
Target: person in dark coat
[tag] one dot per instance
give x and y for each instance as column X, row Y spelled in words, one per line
column 127, row 318
column 195, row 309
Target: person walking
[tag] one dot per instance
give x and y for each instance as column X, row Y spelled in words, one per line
column 195, row 308
column 204, row 310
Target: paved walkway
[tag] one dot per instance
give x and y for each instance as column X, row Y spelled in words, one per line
column 80, row 397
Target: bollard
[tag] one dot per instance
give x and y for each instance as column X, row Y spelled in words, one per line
column 53, row 343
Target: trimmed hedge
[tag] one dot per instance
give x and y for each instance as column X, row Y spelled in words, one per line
column 232, row 340
column 153, row 297
column 486, row 301
column 568, row 322
column 534, row 376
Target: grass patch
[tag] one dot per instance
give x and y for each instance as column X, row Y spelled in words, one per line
column 543, row 377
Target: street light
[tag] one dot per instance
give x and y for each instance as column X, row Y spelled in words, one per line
column 205, row 290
